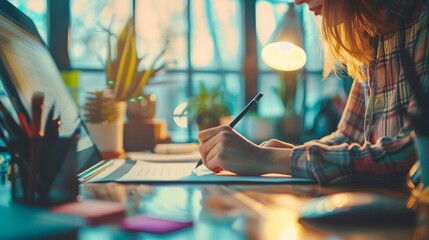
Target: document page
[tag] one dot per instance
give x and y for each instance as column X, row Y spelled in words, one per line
column 148, row 172
column 168, row 157
column 171, row 171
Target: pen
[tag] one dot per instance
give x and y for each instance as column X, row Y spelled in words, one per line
column 243, row 112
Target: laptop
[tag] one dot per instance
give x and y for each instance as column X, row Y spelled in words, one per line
column 26, row 66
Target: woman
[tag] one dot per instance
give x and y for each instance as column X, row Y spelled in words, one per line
column 371, row 39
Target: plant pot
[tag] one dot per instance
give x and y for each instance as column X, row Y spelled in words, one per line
column 109, row 136
column 144, row 108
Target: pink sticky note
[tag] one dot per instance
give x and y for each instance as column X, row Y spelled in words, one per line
column 149, row 224
column 93, row 211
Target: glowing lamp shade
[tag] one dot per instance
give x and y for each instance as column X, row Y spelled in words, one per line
column 284, row 56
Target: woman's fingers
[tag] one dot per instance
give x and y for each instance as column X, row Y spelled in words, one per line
column 218, row 135
column 214, row 164
column 213, row 149
column 207, row 146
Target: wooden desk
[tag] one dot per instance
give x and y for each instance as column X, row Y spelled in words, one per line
column 242, row 212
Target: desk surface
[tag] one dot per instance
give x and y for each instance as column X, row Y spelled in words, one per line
column 236, row 212
column 242, row 212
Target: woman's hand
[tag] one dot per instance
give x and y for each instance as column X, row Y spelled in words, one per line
column 223, row 148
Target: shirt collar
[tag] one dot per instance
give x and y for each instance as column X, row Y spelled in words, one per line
column 397, row 9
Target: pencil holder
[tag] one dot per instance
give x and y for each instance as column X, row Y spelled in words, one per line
column 44, row 170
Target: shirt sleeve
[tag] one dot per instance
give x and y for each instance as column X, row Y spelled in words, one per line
column 345, row 156
column 386, row 161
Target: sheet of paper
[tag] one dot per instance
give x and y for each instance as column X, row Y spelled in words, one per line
column 149, row 172
column 167, row 157
column 154, row 171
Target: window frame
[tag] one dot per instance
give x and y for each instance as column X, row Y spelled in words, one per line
column 58, row 13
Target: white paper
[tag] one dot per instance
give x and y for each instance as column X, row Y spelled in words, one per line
column 149, row 172
column 154, row 171
column 159, row 157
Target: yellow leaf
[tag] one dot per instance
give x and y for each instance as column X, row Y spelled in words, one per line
column 109, row 63
column 127, row 64
column 138, row 90
column 146, row 76
column 120, row 45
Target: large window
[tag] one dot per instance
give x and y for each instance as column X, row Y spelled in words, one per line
column 205, row 41
column 36, row 10
column 89, row 22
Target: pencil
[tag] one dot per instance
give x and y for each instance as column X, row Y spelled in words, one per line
column 243, row 112
column 35, row 144
column 37, row 108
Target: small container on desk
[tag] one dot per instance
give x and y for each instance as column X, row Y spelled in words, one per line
column 44, row 170
column 144, row 134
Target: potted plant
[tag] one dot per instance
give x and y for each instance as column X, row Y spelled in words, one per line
column 103, row 119
column 123, row 77
column 206, row 109
column 104, row 110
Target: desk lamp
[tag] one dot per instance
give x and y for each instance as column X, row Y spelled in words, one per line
column 284, row 51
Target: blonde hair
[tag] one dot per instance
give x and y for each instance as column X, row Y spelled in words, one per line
column 348, row 27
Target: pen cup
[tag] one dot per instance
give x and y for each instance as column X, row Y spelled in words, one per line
column 44, row 170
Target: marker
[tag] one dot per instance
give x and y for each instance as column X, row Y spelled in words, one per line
column 25, row 125
column 243, row 112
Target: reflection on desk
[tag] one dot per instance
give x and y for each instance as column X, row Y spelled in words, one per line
column 181, row 203
column 237, row 211
column 21, row 222
column 244, row 211
column 280, row 205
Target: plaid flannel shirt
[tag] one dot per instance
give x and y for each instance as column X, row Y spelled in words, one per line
column 373, row 142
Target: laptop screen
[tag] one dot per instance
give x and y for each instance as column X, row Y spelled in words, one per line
column 26, row 66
